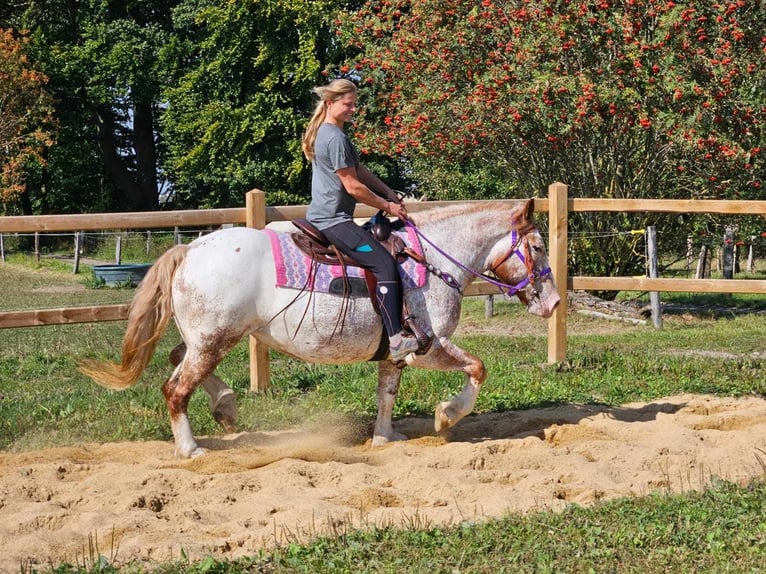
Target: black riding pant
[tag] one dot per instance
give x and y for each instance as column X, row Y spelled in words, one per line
column 359, row 244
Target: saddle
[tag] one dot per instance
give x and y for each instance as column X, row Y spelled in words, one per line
column 315, row 245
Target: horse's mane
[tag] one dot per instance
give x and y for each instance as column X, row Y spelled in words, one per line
column 515, row 212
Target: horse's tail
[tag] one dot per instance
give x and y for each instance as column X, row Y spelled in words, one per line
column 148, row 317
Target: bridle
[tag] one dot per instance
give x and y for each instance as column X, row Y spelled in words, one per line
column 518, row 240
column 507, row 289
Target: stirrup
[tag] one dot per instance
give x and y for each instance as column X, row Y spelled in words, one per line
column 425, row 340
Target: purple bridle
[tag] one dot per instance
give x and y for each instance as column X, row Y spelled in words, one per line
column 506, row 288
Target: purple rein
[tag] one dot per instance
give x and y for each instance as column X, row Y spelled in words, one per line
column 506, row 288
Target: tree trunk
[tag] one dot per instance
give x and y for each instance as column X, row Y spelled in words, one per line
column 114, row 165
column 146, row 153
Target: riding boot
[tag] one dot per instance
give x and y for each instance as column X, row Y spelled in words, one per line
column 389, row 298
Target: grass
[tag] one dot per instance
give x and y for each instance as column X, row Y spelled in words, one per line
column 46, row 402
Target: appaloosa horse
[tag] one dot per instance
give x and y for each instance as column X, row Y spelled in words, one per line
column 221, row 287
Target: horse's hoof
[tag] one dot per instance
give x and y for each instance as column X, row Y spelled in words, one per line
column 229, row 427
column 224, row 410
column 194, row 453
column 380, row 440
column 442, row 418
column 197, row 452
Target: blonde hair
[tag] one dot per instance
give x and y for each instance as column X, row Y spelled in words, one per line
column 333, row 91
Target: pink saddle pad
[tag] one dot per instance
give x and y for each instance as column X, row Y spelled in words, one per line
column 294, row 268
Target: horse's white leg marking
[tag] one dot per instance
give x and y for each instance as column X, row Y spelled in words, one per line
column 186, row 446
column 389, row 378
column 447, row 356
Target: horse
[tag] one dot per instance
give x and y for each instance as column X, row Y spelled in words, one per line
column 221, row 287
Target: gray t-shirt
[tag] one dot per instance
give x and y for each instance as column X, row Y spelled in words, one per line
column 330, row 202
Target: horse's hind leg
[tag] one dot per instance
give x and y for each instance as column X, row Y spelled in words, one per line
column 389, row 377
column 197, row 365
column 178, row 389
column 223, row 400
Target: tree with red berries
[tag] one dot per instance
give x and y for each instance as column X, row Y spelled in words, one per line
column 622, row 99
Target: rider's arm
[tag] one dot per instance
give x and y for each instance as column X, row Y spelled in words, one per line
column 349, row 177
column 375, row 184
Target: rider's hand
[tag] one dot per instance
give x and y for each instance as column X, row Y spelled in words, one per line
column 398, row 210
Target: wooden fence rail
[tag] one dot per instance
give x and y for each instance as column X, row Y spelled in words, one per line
column 257, row 214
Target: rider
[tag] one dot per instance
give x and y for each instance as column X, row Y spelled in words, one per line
column 338, row 181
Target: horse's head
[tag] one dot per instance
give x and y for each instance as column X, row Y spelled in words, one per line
column 521, row 260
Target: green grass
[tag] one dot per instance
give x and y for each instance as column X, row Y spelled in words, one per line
column 47, row 402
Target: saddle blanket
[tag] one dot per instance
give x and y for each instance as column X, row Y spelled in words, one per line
column 294, row 271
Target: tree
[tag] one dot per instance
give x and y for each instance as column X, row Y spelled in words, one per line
column 102, row 61
column 239, row 94
column 26, row 122
column 630, row 98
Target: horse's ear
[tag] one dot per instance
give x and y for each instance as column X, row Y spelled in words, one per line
column 524, row 214
column 529, row 211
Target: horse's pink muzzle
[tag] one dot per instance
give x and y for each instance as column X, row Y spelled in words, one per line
column 545, row 298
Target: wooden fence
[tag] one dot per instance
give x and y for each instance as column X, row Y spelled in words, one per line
column 257, row 214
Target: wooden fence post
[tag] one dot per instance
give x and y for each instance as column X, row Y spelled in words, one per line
column 2, row 249
column 558, row 214
column 703, row 263
column 255, row 207
column 489, row 306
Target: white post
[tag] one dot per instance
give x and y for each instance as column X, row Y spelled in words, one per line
column 118, row 249
column 751, row 255
column 77, row 241
column 654, row 296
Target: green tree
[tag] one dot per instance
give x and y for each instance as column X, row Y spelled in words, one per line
column 622, row 99
column 101, row 57
column 26, row 121
column 238, row 96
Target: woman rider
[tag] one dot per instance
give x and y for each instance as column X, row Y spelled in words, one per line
column 338, row 182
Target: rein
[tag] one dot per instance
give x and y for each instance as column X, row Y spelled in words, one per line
column 506, row 288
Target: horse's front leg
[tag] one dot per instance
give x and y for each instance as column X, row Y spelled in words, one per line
column 389, row 377
column 446, row 356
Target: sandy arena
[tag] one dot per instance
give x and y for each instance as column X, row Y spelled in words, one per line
column 135, row 501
